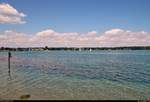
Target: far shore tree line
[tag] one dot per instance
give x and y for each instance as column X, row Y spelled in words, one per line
column 74, row 48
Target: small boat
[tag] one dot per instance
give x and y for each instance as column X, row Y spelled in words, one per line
column 80, row 49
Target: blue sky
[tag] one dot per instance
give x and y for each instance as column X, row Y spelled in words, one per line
column 81, row 15
column 74, row 23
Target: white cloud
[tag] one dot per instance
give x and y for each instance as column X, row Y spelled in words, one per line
column 9, row 14
column 51, row 38
column 118, row 37
column 12, row 39
column 114, row 31
column 46, row 33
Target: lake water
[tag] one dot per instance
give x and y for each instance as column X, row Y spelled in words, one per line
column 76, row 75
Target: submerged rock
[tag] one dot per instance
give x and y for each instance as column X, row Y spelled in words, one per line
column 25, row 96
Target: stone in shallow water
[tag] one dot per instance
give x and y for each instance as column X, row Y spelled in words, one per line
column 25, row 96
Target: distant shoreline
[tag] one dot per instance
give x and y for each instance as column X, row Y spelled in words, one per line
column 74, row 48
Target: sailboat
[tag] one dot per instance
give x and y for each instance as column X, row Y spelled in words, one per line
column 90, row 49
column 79, row 49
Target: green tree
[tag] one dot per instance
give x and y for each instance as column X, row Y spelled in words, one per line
column 46, row 48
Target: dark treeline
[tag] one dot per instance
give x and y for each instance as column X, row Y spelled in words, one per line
column 75, row 48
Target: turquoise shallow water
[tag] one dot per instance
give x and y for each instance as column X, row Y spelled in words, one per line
column 76, row 75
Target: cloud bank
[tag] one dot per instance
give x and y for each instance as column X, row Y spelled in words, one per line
column 51, row 38
column 10, row 15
